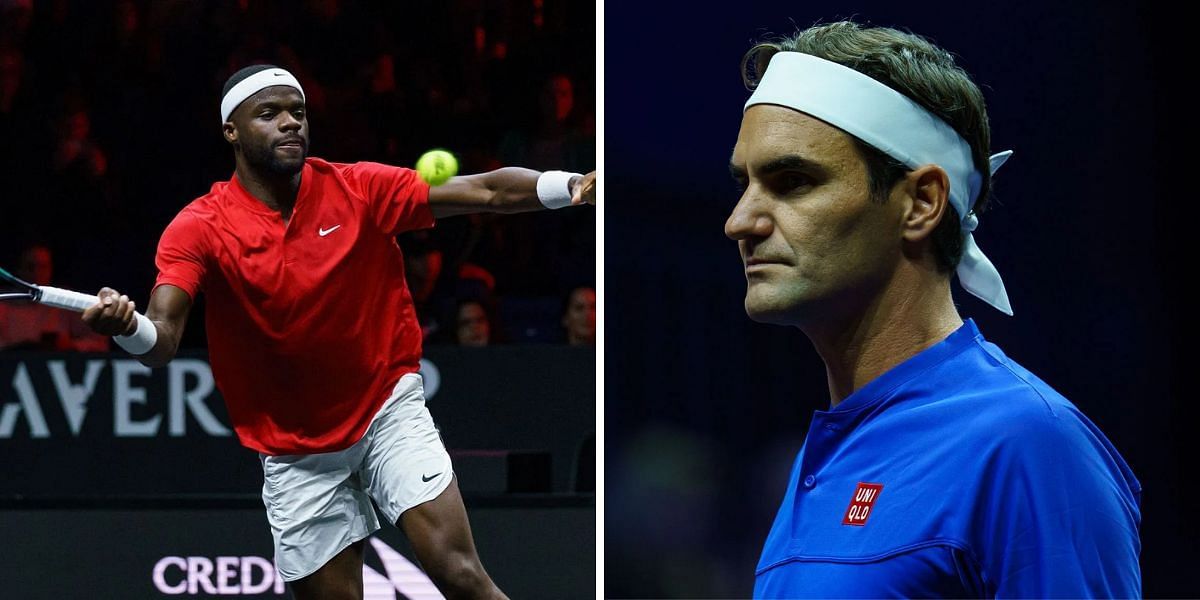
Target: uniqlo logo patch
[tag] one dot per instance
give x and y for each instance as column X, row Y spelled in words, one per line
column 861, row 504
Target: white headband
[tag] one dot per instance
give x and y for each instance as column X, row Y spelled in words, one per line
column 254, row 84
column 897, row 126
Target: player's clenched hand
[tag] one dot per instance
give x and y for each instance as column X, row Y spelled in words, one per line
column 113, row 315
column 584, row 189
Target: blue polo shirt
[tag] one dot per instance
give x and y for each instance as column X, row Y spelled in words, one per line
column 957, row 473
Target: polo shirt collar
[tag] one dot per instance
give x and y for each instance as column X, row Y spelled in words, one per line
column 244, row 198
column 881, row 387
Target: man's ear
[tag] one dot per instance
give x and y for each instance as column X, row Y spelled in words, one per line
column 230, row 132
column 926, row 192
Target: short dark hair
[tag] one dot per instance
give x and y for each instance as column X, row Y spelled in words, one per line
column 243, row 73
column 915, row 67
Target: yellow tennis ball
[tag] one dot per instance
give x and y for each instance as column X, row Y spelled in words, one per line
column 437, row 167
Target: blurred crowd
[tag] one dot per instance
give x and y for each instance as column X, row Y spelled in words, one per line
column 110, row 124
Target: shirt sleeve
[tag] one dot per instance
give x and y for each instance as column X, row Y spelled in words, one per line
column 398, row 199
column 182, row 254
column 1064, row 513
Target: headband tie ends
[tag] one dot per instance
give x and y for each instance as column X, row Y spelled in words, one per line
column 254, row 84
column 998, row 159
column 897, row 126
column 978, row 276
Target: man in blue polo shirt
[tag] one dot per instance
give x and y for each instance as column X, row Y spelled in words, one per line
column 942, row 468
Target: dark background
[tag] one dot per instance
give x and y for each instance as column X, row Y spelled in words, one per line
column 93, row 510
column 705, row 410
column 68, row 551
column 485, row 401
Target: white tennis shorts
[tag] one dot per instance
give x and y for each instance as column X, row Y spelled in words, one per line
column 318, row 504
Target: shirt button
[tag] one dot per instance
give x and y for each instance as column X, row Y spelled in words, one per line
column 810, row 481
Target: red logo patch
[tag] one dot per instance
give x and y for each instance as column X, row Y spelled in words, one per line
column 861, row 504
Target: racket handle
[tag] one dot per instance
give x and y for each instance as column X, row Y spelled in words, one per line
column 60, row 298
column 141, row 342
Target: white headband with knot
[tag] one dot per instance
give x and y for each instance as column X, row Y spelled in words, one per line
column 897, row 126
column 253, row 85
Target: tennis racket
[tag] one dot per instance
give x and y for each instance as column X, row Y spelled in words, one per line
column 15, row 288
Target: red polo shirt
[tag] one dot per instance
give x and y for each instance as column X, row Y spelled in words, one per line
column 310, row 324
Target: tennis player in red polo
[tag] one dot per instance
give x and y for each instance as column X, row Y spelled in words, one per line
column 313, row 338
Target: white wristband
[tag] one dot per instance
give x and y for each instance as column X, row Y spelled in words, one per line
column 554, row 188
column 142, row 340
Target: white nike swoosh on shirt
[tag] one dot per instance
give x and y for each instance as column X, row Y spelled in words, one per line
column 325, row 232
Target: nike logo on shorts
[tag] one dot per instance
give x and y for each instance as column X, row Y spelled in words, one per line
column 425, row 479
column 325, row 232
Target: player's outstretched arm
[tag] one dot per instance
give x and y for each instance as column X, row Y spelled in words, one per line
column 511, row 190
column 169, row 307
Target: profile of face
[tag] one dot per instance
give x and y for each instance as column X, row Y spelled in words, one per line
column 580, row 317
column 271, row 130
column 473, row 326
column 36, row 266
column 812, row 242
